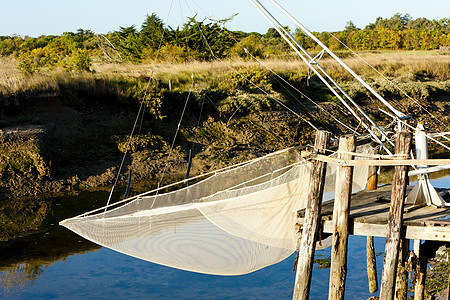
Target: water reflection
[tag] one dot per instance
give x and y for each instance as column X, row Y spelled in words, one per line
column 23, row 259
column 52, row 262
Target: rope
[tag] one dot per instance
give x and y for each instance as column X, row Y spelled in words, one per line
column 259, row 88
column 212, row 173
column 379, row 73
column 141, row 110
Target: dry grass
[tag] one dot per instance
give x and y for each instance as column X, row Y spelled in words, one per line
column 393, row 64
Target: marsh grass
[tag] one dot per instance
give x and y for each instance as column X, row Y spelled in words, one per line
column 108, row 78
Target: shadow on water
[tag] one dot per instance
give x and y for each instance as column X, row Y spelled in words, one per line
column 35, row 240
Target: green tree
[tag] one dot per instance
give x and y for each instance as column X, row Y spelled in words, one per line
column 81, row 60
column 152, row 31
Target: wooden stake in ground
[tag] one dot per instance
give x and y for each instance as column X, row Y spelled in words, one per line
column 310, row 228
column 343, row 190
column 395, row 221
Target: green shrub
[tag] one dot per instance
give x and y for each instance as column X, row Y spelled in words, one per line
column 247, row 78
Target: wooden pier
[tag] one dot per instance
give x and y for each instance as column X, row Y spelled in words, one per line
column 377, row 211
column 369, row 214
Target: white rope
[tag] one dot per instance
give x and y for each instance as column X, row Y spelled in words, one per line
column 384, row 77
column 392, row 83
column 263, row 91
column 296, row 46
column 212, row 173
column 413, row 128
column 141, row 110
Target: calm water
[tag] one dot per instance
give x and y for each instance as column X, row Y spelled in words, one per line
column 57, row 264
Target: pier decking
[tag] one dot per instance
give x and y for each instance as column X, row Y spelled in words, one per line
column 369, row 214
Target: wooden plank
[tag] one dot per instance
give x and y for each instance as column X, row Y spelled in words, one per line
column 310, row 229
column 386, row 162
column 343, row 190
column 431, row 233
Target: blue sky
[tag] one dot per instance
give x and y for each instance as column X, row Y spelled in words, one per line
column 34, row 18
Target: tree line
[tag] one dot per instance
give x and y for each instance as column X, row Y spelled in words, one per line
column 204, row 40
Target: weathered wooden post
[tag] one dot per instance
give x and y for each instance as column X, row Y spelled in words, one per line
column 372, row 184
column 371, row 265
column 170, row 84
column 421, row 270
column 401, row 284
column 395, row 221
column 343, row 190
column 310, row 229
column 372, row 178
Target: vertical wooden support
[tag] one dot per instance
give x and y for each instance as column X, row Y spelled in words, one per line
column 170, row 84
column 372, row 178
column 312, row 220
column 371, row 265
column 372, row 184
column 343, row 190
column 395, row 221
column 421, row 271
column 401, row 284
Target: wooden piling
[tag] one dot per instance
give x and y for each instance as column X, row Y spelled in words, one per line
column 371, row 265
column 372, row 184
column 310, row 229
column 372, row 178
column 343, row 190
column 421, row 270
column 394, row 233
column 401, row 284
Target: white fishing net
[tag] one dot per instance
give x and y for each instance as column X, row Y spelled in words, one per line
column 234, row 222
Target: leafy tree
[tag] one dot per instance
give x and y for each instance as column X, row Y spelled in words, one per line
column 351, row 26
column 81, row 60
column 127, row 41
column 152, row 31
column 249, row 46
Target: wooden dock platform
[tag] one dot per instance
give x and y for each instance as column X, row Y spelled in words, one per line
column 369, row 213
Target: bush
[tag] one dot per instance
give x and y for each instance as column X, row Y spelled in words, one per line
column 79, row 61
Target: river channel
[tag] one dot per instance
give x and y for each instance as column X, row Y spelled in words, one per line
column 54, row 263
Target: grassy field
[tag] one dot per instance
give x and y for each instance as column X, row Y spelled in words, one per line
column 399, row 65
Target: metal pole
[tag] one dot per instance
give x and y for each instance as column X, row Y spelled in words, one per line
column 290, row 40
column 396, row 112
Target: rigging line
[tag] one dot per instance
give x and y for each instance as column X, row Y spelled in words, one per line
column 387, row 79
column 231, row 68
column 391, row 82
column 313, row 64
column 176, row 133
column 304, row 95
column 125, row 154
column 211, row 173
column 301, row 93
column 290, row 40
column 141, row 110
column 356, row 76
column 406, row 124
